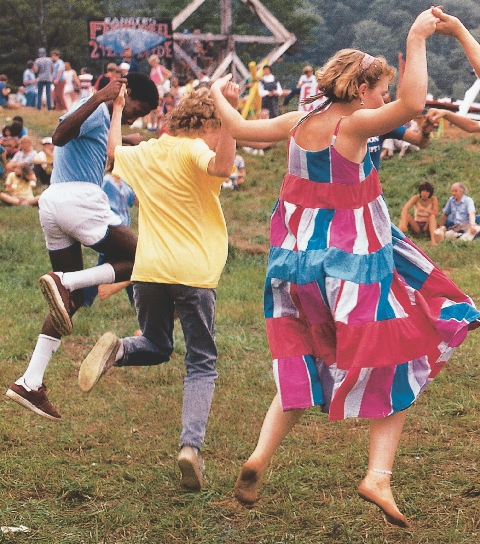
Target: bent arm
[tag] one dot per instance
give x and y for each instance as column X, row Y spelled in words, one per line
column 371, row 122
column 259, row 130
column 409, row 205
column 465, row 123
column 115, row 133
column 221, row 165
column 69, row 128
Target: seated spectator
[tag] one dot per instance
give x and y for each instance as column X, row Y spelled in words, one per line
column 19, row 187
column 390, row 145
column 10, row 142
column 4, row 93
column 458, row 218
column 425, row 211
column 237, row 177
column 24, row 130
column 21, row 97
column 43, row 162
column 26, row 153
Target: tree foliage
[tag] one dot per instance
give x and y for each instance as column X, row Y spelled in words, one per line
column 321, row 26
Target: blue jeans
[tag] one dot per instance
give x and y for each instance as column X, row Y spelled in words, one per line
column 31, row 99
column 40, row 86
column 155, row 304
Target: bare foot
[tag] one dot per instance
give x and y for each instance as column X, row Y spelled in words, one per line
column 378, row 491
column 433, row 243
column 247, row 484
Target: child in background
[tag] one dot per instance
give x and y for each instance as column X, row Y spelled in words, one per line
column 19, row 186
column 120, row 197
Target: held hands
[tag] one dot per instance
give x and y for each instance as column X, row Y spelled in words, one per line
column 119, row 102
column 425, row 24
column 228, row 88
column 434, row 115
column 447, row 25
column 112, row 90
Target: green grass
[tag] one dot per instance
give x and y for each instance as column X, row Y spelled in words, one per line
column 107, row 473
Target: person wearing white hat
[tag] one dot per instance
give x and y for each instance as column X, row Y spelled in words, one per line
column 43, row 162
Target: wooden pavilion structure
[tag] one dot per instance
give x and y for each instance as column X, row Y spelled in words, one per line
column 281, row 39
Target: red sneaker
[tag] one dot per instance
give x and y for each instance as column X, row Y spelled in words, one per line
column 59, row 302
column 36, row 401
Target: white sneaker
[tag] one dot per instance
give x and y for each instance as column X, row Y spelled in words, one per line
column 191, row 467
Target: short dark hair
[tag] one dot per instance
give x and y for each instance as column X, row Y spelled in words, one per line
column 30, row 64
column 426, row 186
column 18, row 119
column 142, row 88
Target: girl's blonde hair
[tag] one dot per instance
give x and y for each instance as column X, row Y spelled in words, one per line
column 192, row 113
column 339, row 79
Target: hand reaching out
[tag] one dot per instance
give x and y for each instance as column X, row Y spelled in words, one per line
column 231, row 92
column 447, row 25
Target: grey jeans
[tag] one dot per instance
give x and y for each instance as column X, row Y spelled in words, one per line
column 155, row 304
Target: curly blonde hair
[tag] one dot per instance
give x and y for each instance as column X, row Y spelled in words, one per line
column 339, row 79
column 192, row 113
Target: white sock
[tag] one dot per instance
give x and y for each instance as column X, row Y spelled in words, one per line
column 97, row 275
column 46, row 346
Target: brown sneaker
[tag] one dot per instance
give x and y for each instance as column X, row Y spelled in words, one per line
column 191, row 467
column 59, row 302
column 98, row 361
column 36, row 401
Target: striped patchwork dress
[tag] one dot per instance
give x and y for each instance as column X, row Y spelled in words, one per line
column 359, row 319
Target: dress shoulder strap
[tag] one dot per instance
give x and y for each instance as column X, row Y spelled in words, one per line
column 335, row 132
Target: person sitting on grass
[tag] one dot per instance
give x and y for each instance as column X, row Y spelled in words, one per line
column 19, row 186
column 458, row 216
column 425, row 211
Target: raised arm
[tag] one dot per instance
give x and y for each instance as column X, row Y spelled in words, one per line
column 115, row 133
column 221, row 165
column 371, row 122
column 451, row 26
column 261, row 130
column 69, row 128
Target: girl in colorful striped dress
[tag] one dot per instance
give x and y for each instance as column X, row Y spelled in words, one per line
column 359, row 320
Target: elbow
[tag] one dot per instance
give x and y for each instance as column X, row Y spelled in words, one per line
column 223, row 172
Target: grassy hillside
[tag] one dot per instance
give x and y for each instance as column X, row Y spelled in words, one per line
column 107, row 473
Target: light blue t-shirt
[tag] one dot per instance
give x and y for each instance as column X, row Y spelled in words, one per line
column 120, row 196
column 29, row 75
column 457, row 212
column 83, row 158
column 59, row 66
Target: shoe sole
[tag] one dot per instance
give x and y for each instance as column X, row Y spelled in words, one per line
column 59, row 315
column 27, row 404
column 191, row 475
column 94, row 363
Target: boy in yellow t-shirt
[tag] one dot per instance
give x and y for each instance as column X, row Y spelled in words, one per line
column 181, row 252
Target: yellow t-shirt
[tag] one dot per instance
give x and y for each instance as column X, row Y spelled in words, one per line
column 182, row 232
column 21, row 188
